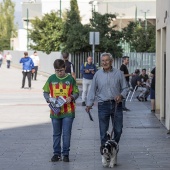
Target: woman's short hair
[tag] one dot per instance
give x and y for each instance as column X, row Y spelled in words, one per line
column 59, row 63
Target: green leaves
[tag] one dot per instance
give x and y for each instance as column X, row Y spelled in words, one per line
column 46, row 33
column 109, row 37
column 52, row 33
column 140, row 40
column 7, row 27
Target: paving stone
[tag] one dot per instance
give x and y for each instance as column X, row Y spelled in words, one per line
column 26, row 133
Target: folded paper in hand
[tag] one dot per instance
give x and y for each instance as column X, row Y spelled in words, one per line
column 56, row 103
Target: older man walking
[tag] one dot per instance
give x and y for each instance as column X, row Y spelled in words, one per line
column 110, row 87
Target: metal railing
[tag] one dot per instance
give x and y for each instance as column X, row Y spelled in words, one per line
column 136, row 61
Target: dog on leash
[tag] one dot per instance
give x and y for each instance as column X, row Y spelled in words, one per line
column 109, row 152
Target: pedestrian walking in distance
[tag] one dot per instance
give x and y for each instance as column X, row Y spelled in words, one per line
column 27, row 66
column 88, row 69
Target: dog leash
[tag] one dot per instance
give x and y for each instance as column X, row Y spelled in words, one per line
column 90, row 116
column 113, row 118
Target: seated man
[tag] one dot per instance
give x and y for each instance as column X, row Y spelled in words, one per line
column 136, row 81
column 145, row 83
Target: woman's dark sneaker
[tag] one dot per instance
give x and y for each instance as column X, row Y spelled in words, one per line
column 56, row 158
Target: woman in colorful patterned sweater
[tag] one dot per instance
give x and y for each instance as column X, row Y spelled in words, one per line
column 61, row 84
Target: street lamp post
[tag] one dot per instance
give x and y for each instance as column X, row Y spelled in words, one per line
column 92, row 34
column 60, row 8
column 27, row 27
column 93, row 6
column 91, row 2
column 145, row 18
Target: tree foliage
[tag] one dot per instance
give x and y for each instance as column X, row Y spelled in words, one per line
column 46, row 33
column 140, row 40
column 73, row 29
column 52, row 33
column 70, row 35
column 7, row 26
column 76, row 35
column 109, row 37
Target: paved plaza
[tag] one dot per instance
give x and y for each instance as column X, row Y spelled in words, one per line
column 26, row 132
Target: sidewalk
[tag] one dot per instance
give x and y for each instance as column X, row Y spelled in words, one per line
column 26, row 133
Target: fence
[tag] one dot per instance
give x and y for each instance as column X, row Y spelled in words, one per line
column 136, row 61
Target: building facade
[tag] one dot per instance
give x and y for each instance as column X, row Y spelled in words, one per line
column 129, row 10
column 162, row 61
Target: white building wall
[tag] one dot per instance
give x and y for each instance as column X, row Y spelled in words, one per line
column 168, row 71
column 128, row 7
column 161, row 8
column 46, row 60
column 163, row 44
column 22, row 40
column 54, row 5
column 128, row 10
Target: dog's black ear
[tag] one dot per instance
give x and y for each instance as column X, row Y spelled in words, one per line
column 101, row 149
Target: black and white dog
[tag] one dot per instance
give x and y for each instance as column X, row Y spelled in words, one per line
column 109, row 153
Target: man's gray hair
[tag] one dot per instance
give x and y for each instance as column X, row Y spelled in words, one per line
column 106, row 54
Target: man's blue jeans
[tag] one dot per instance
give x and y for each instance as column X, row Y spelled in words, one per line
column 62, row 127
column 106, row 110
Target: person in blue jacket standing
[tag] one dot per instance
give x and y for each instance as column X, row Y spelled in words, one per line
column 88, row 69
column 27, row 66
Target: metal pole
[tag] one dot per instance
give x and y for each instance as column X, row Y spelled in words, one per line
column 27, row 27
column 93, row 47
column 145, row 22
column 60, row 8
column 92, row 10
column 107, row 7
column 136, row 13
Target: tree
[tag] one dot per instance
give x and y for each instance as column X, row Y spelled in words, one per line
column 151, row 37
column 109, row 37
column 140, row 40
column 53, row 34
column 46, row 33
column 72, row 30
column 7, row 26
column 76, row 35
